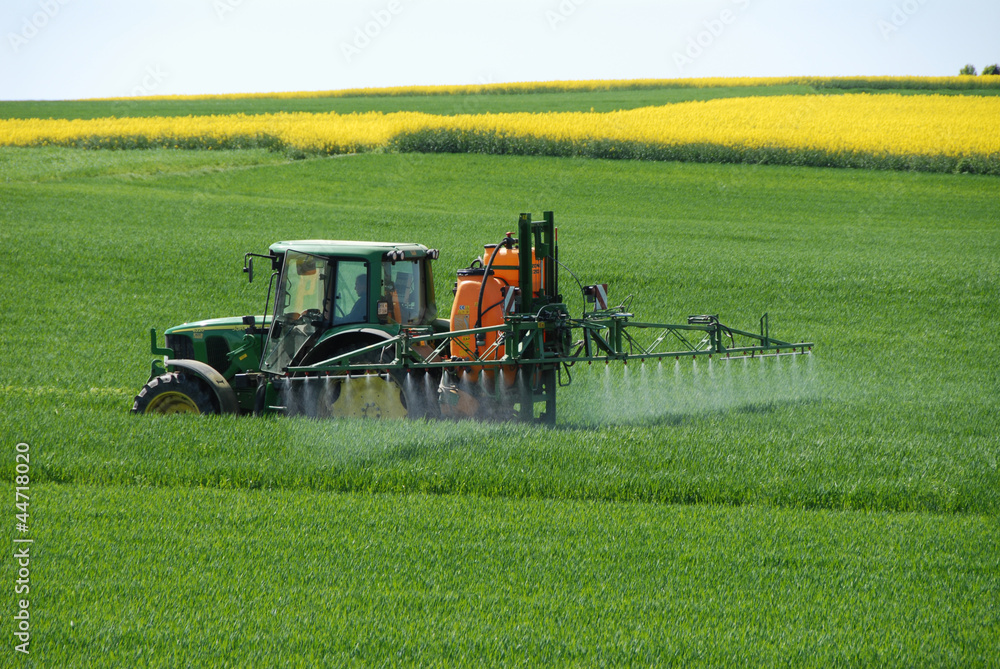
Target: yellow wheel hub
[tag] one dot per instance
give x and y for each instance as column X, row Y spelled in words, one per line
column 172, row 402
column 369, row 396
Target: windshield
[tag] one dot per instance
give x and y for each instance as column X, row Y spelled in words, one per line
column 404, row 284
column 302, row 305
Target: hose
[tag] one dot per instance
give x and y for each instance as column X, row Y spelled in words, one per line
column 486, row 274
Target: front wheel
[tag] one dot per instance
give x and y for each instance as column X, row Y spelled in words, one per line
column 173, row 392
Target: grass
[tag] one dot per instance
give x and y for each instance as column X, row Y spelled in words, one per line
column 599, row 101
column 838, row 512
column 431, row 104
column 210, row 577
column 58, row 165
column 888, row 274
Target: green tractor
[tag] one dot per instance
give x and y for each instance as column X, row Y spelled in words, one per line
column 332, row 297
column 354, row 332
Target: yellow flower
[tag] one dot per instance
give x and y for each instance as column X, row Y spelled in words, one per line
column 880, row 125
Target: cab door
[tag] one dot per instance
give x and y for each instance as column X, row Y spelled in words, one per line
column 302, row 309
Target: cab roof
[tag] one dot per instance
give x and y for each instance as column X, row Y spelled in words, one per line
column 326, row 247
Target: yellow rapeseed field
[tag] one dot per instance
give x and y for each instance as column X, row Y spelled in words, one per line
column 322, row 133
column 952, row 126
column 875, row 124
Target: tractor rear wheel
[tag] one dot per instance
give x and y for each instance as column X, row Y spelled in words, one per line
column 366, row 393
column 368, row 396
column 173, row 392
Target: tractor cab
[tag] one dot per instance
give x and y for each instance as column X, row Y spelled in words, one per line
column 330, row 294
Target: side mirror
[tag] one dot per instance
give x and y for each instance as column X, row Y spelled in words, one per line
column 248, row 263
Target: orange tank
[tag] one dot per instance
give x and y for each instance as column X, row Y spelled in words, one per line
column 506, row 265
column 465, row 313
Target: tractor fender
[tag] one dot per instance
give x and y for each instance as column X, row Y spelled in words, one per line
column 374, row 332
column 325, row 347
column 224, row 392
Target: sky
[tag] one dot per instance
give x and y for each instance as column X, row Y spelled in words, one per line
column 71, row 49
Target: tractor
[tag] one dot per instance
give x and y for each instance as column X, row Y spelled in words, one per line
column 353, row 331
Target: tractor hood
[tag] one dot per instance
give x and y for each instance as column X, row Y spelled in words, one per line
column 231, row 323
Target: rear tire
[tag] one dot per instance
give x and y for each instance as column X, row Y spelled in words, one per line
column 171, row 393
column 368, row 394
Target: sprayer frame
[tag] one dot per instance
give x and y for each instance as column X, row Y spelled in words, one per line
column 537, row 340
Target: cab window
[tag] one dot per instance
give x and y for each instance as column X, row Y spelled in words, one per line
column 403, row 283
column 350, row 302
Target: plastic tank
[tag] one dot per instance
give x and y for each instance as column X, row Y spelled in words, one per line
column 506, row 265
column 465, row 309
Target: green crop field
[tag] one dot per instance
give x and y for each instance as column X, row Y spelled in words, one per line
column 838, row 509
column 430, row 104
column 600, row 101
column 175, row 576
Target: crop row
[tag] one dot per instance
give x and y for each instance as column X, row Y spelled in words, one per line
column 877, row 83
column 180, row 577
column 931, row 133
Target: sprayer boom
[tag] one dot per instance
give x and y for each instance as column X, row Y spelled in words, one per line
column 518, row 343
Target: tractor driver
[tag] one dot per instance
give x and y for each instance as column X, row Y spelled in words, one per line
column 360, row 310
